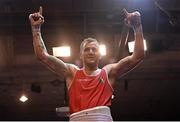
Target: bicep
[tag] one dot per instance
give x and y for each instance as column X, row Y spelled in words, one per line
column 123, row 66
column 58, row 66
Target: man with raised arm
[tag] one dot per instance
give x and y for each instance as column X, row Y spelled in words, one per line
column 90, row 88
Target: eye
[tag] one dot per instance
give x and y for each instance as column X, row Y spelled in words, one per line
column 94, row 49
column 86, row 49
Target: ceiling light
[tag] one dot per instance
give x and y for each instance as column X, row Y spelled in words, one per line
column 131, row 46
column 63, row 51
column 102, row 49
column 23, row 98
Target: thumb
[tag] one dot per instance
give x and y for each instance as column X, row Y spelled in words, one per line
column 40, row 10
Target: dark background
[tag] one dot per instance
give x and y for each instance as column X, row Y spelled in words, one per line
column 149, row 92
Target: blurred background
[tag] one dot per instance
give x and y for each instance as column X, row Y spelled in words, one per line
column 149, row 92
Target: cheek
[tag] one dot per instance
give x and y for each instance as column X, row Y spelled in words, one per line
column 82, row 56
column 98, row 54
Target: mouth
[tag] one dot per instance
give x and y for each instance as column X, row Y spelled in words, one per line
column 91, row 57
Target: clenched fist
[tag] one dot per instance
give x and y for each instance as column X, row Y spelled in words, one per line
column 36, row 19
column 132, row 19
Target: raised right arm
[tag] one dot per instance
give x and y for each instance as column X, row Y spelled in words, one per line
column 56, row 65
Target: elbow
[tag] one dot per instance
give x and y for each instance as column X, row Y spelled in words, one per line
column 142, row 56
column 41, row 56
column 139, row 57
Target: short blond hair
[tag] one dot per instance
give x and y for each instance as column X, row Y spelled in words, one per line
column 86, row 41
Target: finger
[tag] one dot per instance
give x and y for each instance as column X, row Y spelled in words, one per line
column 125, row 12
column 42, row 18
column 40, row 10
column 36, row 15
column 127, row 22
column 31, row 17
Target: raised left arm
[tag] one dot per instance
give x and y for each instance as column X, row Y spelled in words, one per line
column 128, row 63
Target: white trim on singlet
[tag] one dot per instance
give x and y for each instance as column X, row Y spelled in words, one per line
column 107, row 76
column 73, row 79
column 98, row 72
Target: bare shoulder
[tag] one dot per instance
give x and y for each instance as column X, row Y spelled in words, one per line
column 114, row 68
column 121, row 67
column 73, row 68
column 109, row 71
column 108, row 68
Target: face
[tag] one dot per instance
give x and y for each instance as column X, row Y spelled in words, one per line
column 90, row 54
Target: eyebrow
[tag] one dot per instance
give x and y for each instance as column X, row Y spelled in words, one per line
column 90, row 48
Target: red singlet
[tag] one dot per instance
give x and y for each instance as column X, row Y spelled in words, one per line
column 89, row 91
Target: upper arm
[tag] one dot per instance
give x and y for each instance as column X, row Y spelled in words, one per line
column 123, row 66
column 59, row 67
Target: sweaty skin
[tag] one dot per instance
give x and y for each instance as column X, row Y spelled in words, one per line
column 90, row 54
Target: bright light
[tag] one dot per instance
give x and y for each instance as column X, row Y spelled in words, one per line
column 61, row 51
column 23, row 98
column 131, row 46
column 102, row 49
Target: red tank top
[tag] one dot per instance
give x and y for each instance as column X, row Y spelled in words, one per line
column 89, row 91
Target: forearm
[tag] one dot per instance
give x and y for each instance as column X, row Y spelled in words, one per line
column 55, row 64
column 39, row 46
column 139, row 43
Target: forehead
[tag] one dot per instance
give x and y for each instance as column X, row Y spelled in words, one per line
column 91, row 44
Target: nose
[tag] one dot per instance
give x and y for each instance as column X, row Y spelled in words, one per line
column 91, row 51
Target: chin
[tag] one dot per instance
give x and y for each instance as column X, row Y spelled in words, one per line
column 91, row 64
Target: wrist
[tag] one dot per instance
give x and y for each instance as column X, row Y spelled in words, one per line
column 36, row 29
column 138, row 29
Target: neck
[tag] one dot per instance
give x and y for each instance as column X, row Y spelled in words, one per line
column 90, row 70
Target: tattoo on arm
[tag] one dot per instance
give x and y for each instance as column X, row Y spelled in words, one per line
column 55, row 64
column 58, row 66
column 42, row 46
column 39, row 45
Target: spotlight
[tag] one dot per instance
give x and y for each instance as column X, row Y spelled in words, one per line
column 23, row 98
column 131, row 46
column 63, row 51
column 102, row 49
